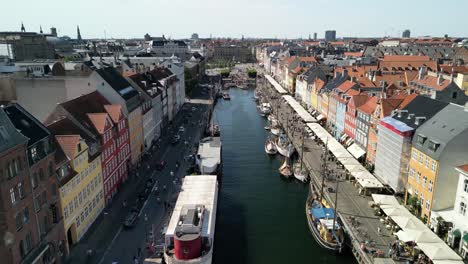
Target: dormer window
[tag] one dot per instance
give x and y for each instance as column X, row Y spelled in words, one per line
column 433, row 145
column 421, row 139
column 34, row 153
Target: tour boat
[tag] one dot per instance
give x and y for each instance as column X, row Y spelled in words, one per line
column 191, row 231
column 208, row 156
column 226, row 96
column 256, row 95
column 268, row 126
column 275, row 130
column 300, row 173
column 285, row 169
column 265, row 109
column 270, row 148
column 324, row 226
column 284, row 147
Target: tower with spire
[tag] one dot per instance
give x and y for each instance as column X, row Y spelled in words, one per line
column 40, row 30
column 78, row 34
column 22, row 27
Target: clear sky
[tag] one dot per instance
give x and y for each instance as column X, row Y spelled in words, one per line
column 234, row 18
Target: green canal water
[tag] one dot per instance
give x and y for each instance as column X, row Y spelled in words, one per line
column 260, row 216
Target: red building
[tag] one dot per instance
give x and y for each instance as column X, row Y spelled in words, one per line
column 107, row 124
column 350, row 118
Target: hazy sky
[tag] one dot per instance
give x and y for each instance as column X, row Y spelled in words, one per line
column 252, row 18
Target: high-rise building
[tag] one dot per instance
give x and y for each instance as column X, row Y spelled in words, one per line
column 330, row 35
column 406, row 33
column 315, row 35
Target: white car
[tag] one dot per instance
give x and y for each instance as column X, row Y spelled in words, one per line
column 181, row 129
column 194, row 108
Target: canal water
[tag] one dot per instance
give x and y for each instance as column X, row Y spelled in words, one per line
column 261, row 217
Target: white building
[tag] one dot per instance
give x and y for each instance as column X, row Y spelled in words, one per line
column 458, row 235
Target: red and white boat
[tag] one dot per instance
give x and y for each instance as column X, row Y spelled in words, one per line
column 190, row 234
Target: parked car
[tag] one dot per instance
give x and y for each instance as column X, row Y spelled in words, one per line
column 181, row 129
column 194, row 109
column 175, row 139
column 132, row 218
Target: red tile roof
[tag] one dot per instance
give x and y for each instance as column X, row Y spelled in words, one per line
column 352, row 92
column 113, row 111
column 319, row 84
column 463, row 168
column 359, row 99
column 402, row 62
column 369, row 106
column 407, row 98
column 455, row 69
column 354, row 54
column 405, row 58
column 99, row 121
column 68, row 143
column 308, row 59
column 432, row 82
column 345, row 86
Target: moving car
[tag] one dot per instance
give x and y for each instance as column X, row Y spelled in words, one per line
column 175, row 139
column 131, row 218
column 181, row 129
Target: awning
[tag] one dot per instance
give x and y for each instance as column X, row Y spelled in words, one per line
column 456, row 233
column 343, row 137
column 356, row 151
column 385, row 199
column 320, row 117
column 465, row 237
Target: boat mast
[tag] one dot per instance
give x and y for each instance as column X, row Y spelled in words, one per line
column 324, row 169
column 336, row 202
column 302, row 148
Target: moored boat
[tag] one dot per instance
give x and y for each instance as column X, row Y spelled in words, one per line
column 270, row 148
column 324, row 226
column 265, row 109
column 300, row 172
column 226, row 96
column 275, row 130
column 283, row 146
column 190, row 234
column 208, row 156
column 285, row 169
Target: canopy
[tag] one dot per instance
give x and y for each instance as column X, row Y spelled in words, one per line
column 407, row 221
column 418, row 236
column 275, row 84
column 356, row 151
column 321, row 213
column 385, row 199
column 320, row 117
column 438, row 251
column 305, row 116
column 448, row 262
column 395, row 211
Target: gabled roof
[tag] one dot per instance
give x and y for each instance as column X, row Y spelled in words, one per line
column 359, row 99
column 114, row 111
column 99, row 121
column 345, row 86
column 319, row 84
column 117, row 82
column 65, row 126
column 68, row 143
column 433, row 82
column 419, row 106
column 407, row 98
column 463, row 168
column 388, row 105
column 369, row 106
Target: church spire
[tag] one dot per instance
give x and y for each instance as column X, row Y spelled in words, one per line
column 78, row 34
column 40, row 30
column 22, row 27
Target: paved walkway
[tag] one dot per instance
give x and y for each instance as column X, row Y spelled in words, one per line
column 350, row 203
column 106, row 237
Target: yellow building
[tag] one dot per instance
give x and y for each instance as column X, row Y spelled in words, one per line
column 421, row 180
column 438, row 146
column 81, row 190
column 317, row 85
column 137, row 141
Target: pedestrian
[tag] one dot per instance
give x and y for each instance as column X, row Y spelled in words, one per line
column 139, row 252
column 172, row 174
column 135, row 260
column 378, row 230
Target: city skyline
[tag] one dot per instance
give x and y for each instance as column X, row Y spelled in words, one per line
column 179, row 19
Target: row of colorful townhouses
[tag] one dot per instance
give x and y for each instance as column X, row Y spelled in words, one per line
column 67, row 144
column 404, row 117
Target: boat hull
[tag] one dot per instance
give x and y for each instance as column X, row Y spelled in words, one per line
column 270, row 150
column 287, row 152
column 333, row 247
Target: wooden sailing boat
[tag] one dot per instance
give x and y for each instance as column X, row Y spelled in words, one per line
column 285, row 169
column 322, row 219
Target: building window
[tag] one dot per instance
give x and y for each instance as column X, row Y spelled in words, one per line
column 420, row 157
column 462, row 208
column 44, row 198
column 37, row 206
column 411, row 172
column 33, row 153
column 433, row 145
column 421, row 199
column 454, row 95
column 26, row 215
column 12, row 196
column 421, row 139
column 19, row 221
column 426, row 164
column 20, row 190
column 418, row 176
column 51, row 169
column 428, row 205
column 433, row 165
column 424, row 180
column 28, row 242
column 415, row 154
column 429, row 188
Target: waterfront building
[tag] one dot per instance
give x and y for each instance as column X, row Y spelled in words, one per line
column 439, row 145
column 81, row 188
column 47, row 242
column 117, row 90
column 395, row 139
column 106, row 126
column 330, row 35
column 350, row 120
column 363, row 120
column 315, row 89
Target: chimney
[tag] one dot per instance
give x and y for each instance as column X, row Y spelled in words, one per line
column 144, row 83
column 422, row 72
column 382, row 84
column 410, row 116
column 353, row 78
column 419, row 120
column 400, row 113
column 439, row 79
